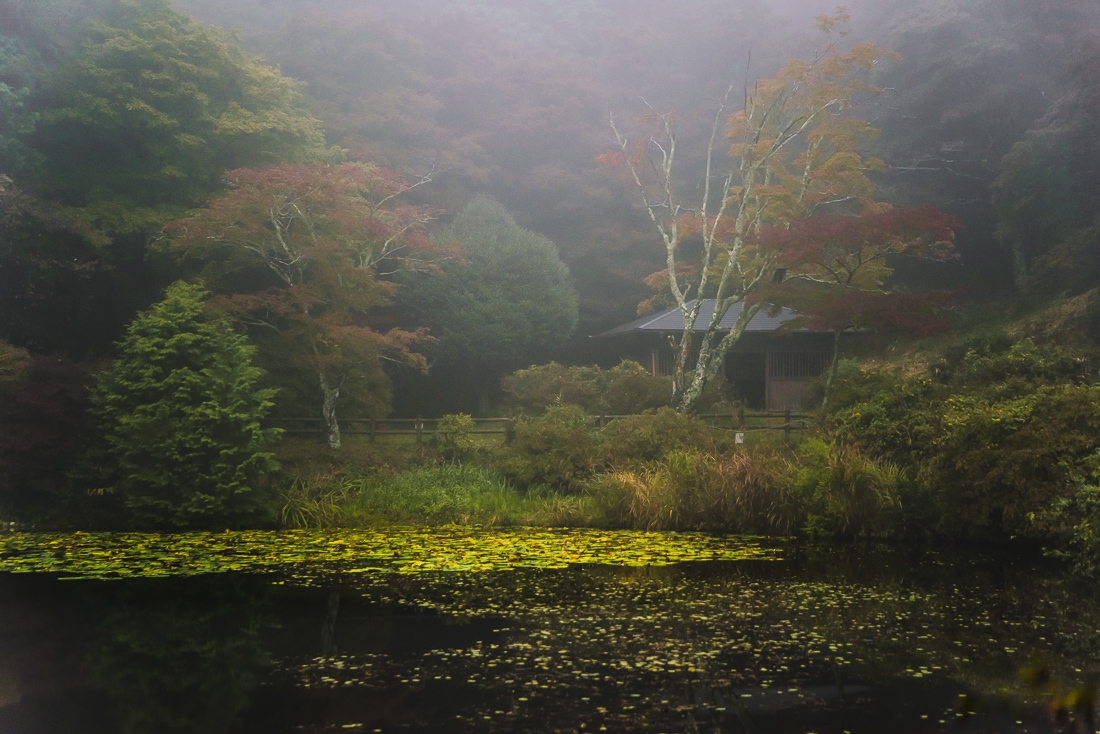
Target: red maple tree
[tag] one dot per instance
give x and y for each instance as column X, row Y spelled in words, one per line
column 836, row 271
column 294, row 254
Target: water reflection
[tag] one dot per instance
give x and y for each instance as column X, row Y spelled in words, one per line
column 178, row 659
column 829, row 640
column 144, row 656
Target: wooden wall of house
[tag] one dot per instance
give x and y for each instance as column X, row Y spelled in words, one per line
column 775, row 371
column 790, row 375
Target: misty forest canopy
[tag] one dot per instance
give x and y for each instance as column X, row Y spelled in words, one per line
column 398, row 204
column 509, row 100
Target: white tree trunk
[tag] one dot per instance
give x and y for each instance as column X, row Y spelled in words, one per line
column 328, row 411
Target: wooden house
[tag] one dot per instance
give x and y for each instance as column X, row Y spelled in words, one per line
column 770, row 367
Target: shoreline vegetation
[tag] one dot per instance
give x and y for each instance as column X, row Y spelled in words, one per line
column 989, row 437
column 986, row 438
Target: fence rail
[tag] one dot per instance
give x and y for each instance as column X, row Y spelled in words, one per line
column 421, row 427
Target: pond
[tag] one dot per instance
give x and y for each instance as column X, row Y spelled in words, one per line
column 526, row 631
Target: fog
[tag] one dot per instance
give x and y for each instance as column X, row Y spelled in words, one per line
column 511, row 99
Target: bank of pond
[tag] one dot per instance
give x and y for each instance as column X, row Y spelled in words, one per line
column 471, row 630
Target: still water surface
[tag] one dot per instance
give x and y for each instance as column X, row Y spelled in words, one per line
column 516, row 631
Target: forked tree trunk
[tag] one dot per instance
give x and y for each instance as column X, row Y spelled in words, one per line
column 328, row 411
column 713, row 348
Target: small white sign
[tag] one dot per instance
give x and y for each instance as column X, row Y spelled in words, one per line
column 739, row 438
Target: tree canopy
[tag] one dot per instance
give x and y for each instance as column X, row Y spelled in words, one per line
column 841, row 270
column 508, row 302
column 795, row 152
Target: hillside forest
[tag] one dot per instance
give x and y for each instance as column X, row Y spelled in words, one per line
column 216, row 218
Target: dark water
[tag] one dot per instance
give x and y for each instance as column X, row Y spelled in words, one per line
column 864, row 640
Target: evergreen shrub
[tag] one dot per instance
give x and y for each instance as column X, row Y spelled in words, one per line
column 454, row 442
column 559, row 449
column 988, row 439
column 622, row 390
column 648, row 437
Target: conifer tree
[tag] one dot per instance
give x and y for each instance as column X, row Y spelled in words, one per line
column 179, row 414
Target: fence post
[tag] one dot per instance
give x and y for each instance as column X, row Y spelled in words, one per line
column 741, row 416
column 787, row 422
column 419, row 430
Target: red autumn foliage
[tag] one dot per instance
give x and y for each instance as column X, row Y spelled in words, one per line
column 824, row 242
column 840, row 267
column 297, row 250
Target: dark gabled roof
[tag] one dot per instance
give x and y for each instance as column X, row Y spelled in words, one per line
column 673, row 321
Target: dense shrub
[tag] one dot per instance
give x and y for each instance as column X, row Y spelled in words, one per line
column 649, row 437
column 630, row 388
column 454, row 442
column 997, row 365
column 558, row 449
column 998, row 462
column 884, row 415
column 989, row 437
column 535, row 389
column 1075, row 519
column 623, row 390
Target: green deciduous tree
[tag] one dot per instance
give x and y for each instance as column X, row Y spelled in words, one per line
column 179, row 414
column 507, row 303
column 15, row 119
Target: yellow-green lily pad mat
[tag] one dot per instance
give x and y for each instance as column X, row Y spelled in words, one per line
column 398, row 550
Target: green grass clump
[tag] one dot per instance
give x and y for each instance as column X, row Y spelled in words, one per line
column 317, row 501
column 460, row 494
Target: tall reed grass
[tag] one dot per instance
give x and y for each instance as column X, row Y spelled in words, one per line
column 818, row 489
column 699, row 491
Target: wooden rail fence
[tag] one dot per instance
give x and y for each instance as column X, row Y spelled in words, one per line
column 421, row 427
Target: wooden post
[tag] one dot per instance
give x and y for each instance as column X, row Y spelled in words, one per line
column 741, row 416
column 419, row 430
column 787, row 421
